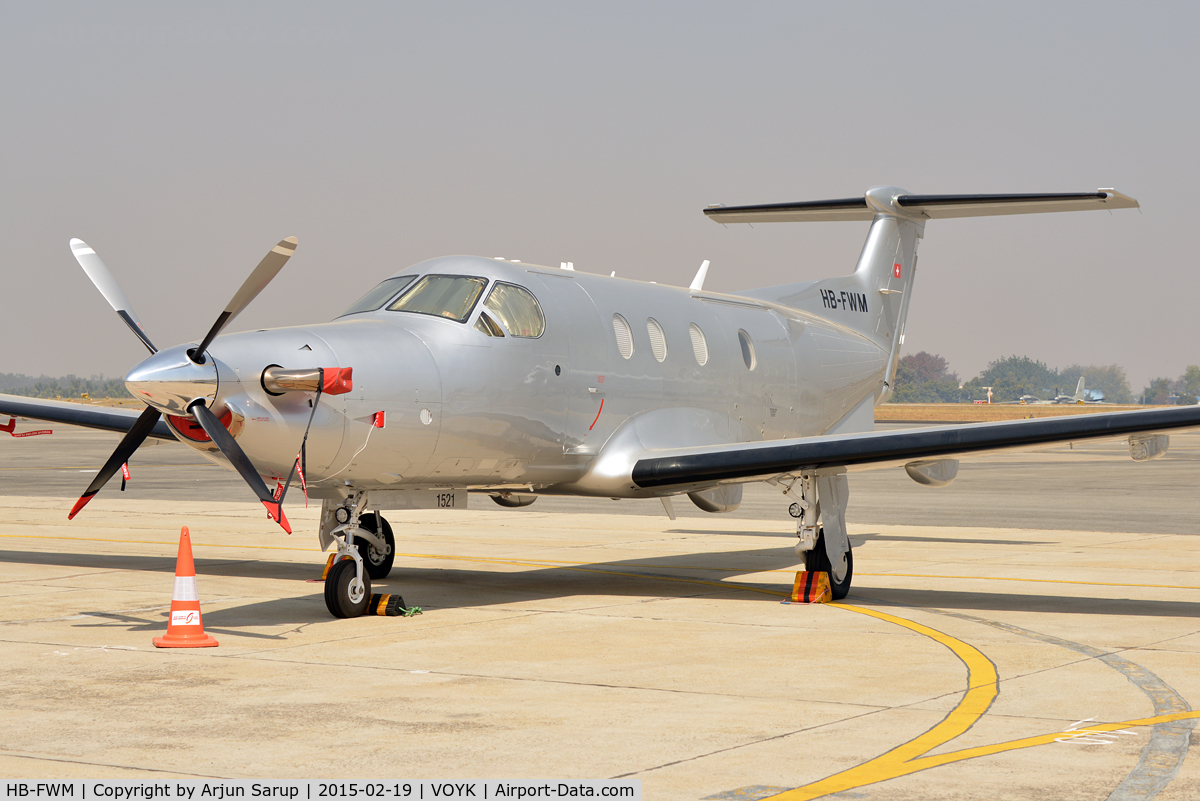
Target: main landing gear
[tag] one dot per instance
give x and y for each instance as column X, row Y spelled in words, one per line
column 366, row 549
column 820, row 512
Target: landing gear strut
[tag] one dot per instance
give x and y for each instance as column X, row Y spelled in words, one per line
column 840, row 574
column 363, row 553
column 820, row 512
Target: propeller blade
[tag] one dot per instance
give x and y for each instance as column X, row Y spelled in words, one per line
column 266, row 270
column 109, row 288
column 237, row 457
column 134, row 437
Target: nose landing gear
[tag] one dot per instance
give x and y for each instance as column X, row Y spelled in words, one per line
column 346, row 593
column 366, row 549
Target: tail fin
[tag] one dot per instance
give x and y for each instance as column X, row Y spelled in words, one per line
column 873, row 300
column 1078, row 396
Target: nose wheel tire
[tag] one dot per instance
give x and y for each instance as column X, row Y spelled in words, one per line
column 345, row 596
column 839, row 579
column 377, row 563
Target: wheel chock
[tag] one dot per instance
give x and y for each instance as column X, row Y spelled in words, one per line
column 185, row 628
column 390, row 605
column 811, row 587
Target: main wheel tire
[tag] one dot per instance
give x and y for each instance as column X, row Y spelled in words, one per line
column 378, row 564
column 339, row 597
column 839, row 580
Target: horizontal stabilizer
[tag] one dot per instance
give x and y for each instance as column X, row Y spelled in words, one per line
column 926, row 207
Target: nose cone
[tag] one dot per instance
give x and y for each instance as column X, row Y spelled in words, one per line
column 169, row 381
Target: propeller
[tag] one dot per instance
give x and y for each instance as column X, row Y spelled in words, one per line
column 262, row 275
column 110, row 289
column 134, row 437
column 240, row 461
column 266, row 270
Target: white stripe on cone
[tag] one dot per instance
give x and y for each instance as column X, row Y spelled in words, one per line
column 185, row 589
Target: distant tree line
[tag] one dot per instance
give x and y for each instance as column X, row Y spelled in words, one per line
column 1183, row 391
column 927, row 378
column 71, row 386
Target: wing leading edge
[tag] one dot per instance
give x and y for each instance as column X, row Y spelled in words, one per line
column 120, row 420
column 747, row 462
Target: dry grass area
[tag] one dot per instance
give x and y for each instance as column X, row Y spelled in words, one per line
column 117, row 403
column 983, row 412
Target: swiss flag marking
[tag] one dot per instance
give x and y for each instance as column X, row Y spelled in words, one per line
column 896, row 270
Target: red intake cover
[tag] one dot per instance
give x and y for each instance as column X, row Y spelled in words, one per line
column 338, row 380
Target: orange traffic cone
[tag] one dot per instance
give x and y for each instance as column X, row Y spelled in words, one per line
column 185, row 629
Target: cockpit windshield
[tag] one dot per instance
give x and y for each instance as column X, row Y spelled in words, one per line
column 449, row 296
column 379, row 295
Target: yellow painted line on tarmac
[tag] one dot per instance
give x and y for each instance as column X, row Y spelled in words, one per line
column 172, row 543
column 553, row 562
column 97, row 466
column 894, row 769
column 982, row 688
column 1035, row 580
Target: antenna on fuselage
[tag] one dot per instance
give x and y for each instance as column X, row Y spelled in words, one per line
column 567, row 265
column 701, row 274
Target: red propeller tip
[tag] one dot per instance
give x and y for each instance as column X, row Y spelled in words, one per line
column 79, row 504
column 275, row 510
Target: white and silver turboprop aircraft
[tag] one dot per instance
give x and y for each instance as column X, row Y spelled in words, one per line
column 467, row 374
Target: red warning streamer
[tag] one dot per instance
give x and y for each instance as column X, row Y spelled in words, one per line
column 11, row 428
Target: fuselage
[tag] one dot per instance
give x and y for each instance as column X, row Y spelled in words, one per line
column 621, row 367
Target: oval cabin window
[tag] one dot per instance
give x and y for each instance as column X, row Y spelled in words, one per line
column 699, row 344
column 658, row 340
column 748, row 355
column 624, row 336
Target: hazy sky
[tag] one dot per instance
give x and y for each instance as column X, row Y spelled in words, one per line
column 183, row 140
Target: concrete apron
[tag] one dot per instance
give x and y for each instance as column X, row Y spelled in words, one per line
column 968, row 662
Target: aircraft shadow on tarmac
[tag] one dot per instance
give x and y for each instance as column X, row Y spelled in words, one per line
column 432, row 587
column 858, row 539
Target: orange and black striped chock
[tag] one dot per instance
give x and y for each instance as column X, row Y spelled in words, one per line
column 811, row 587
column 386, row 605
column 329, row 565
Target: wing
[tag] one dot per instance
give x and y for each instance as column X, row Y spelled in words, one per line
column 685, row 468
column 120, row 420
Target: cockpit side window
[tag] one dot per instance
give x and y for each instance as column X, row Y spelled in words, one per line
column 488, row 326
column 379, row 295
column 517, row 310
column 449, row 296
